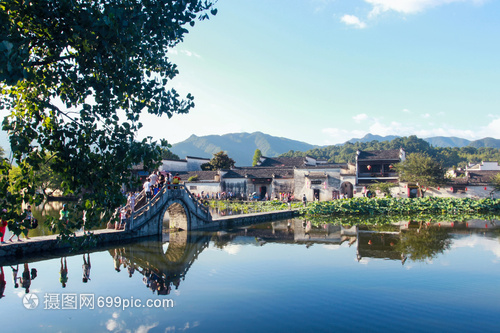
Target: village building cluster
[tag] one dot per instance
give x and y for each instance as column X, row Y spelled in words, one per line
column 316, row 179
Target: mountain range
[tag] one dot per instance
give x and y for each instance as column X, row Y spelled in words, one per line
column 241, row 146
column 438, row 141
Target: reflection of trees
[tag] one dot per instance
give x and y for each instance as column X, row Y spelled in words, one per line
column 222, row 239
column 424, row 243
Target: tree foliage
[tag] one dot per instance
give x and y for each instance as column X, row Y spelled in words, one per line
column 421, row 169
column 166, row 154
column 75, row 77
column 218, row 162
column 496, row 182
column 424, row 243
column 256, row 157
column 382, row 187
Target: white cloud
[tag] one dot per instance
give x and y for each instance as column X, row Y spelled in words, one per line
column 232, row 249
column 487, row 244
column 332, row 247
column 426, row 115
column 426, row 133
column 360, row 117
column 111, row 325
column 320, row 5
column 406, row 111
column 190, row 54
column 353, row 21
column 364, row 261
column 492, row 129
column 337, row 135
column 378, row 126
column 410, row 6
column 145, row 328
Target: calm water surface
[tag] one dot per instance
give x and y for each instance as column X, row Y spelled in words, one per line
column 286, row 276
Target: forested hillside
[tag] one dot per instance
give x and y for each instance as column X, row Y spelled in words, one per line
column 448, row 156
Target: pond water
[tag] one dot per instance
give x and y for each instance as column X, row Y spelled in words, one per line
column 280, row 276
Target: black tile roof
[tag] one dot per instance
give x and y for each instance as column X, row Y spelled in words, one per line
column 202, row 175
column 198, row 158
column 259, row 172
column 296, row 162
column 481, row 177
column 326, row 166
column 379, row 155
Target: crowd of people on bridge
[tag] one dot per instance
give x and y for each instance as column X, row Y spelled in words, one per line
column 153, row 184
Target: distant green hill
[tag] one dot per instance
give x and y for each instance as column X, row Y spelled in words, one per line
column 239, row 146
column 443, row 141
column 486, row 143
column 436, row 141
column 372, row 137
column 448, row 156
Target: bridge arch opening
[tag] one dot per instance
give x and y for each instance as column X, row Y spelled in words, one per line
column 176, row 216
column 177, row 246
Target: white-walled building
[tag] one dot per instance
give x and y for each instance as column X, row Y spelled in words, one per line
column 186, row 165
column 483, row 166
column 318, row 180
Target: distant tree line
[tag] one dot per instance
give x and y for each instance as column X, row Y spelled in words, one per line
column 447, row 156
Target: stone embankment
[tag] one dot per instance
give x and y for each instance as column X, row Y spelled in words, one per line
column 44, row 244
column 47, row 244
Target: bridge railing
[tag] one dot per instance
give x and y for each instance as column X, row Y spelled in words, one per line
column 174, row 191
column 198, row 203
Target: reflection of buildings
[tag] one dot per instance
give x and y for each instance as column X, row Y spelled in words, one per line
column 294, row 231
column 164, row 266
column 381, row 245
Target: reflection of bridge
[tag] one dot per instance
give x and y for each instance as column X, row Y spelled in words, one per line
column 166, row 268
column 185, row 211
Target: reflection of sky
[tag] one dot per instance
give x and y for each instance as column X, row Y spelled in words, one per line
column 276, row 287
column 487, row 244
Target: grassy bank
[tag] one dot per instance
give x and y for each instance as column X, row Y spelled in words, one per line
column 378, row 210
column 394, row 206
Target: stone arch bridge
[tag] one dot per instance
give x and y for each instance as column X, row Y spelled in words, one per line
column 186, row 212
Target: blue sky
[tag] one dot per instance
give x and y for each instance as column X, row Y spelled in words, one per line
column 325, row 71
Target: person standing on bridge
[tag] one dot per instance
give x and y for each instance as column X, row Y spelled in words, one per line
column 153, row 178
column 131, row 201
column 176, row 180
column 161, row 180
column 3, row 226
column 147, row 189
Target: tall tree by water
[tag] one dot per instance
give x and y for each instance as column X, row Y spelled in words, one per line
column 256, row 157
column 421, row 169
column 218, row 162
column 75, row 77
column 496, row 182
